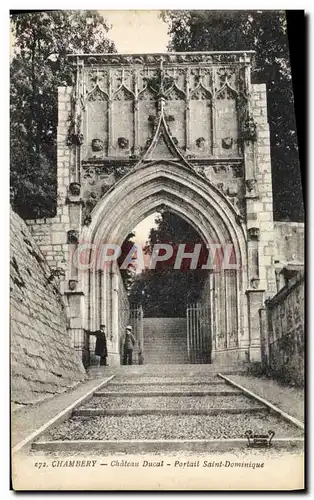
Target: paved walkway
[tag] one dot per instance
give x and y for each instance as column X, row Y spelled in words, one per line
column 288, row 399
column 24, row 421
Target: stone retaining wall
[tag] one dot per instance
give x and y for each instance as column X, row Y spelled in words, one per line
column 43, row 361
column 282, row 332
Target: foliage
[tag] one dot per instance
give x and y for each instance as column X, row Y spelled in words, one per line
column 127, row 274
column 39, row 66
column 266, row 33
column 164, row 291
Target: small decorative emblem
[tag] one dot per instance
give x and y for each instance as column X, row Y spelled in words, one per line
column 75, row 189
column 255, row 283
column 254, row 233
column 227, row 142
column 250, row 184
column 123, row 142
column 200, row 142
column 87, row 220
column 73, row 236
column 135, row 152
column 72, row 284
column 259, row 440
column 97, row 145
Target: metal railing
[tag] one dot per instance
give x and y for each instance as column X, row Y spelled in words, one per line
column 198, row 333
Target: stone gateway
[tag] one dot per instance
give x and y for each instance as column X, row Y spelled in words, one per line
column 183, row 131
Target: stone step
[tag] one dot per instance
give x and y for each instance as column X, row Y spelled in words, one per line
column 181, row 369
column 129, row 427
column 165, row 338
column 162, row 361
column 93, row 412
column 171, row 403
column 166, row 380
column 165, row 343
column 173, row 382
column 171, row 393
column 186, row 386
column 166, row 352
column 162, row 333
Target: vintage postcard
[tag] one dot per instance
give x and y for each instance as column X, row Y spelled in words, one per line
column 157, row 252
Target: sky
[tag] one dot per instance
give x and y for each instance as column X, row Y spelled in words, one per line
column 138, row 31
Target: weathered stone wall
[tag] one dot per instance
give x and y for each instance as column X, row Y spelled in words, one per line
column 282, row 333
column 289, row 238
column 43, row 360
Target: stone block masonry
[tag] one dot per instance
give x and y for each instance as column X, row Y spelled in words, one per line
column 283, row 336
column 289, row 241
column 43, row 360
column 50, row 233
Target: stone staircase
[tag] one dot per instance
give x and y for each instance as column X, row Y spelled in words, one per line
column 165, row 341
column 166, row 408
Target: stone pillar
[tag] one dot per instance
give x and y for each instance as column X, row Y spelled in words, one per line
column 113, row 343
column 255, row 303
column 264, row 336
column 75, row 315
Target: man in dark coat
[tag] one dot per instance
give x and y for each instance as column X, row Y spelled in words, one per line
column 129, row 341
column 101, row 344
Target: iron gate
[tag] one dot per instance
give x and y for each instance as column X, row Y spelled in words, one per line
column 133, row 317
column 199, row 343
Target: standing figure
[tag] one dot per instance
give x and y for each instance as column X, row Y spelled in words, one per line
column 129, row 342
column 101, row 344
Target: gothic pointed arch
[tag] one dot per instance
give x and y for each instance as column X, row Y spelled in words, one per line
column 97, row 94
column 200, row 92
column 175, row 94
column 226, row 92
column 123, row 94
column 147, row 94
